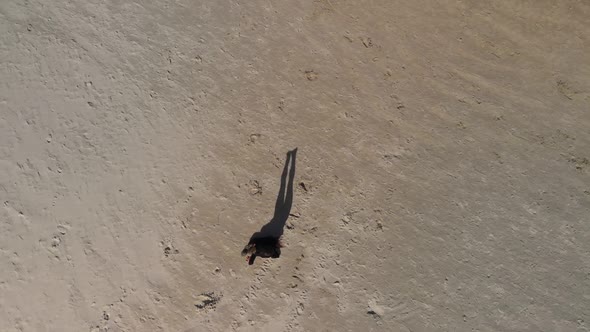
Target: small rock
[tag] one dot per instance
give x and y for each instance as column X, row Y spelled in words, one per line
column 254, row 138
column 372, row 313
column 374, row 309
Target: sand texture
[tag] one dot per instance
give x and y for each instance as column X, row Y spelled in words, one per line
column 441, row 182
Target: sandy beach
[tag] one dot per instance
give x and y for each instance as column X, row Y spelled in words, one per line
column 441, row 180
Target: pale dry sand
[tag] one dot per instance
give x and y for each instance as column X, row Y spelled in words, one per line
column 444, row 147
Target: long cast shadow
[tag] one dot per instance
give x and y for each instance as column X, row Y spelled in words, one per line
column 266, row 242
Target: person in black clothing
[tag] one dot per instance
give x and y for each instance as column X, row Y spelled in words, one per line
column 267, row 242
column 266, row 247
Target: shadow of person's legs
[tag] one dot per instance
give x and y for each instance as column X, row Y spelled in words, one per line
column 280, row 202
column 286, row 209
